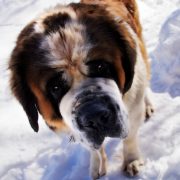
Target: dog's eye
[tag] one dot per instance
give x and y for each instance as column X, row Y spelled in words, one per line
column 100, row 68
column 57, row 86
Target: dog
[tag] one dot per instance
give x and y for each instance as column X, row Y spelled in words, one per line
column 84, row 68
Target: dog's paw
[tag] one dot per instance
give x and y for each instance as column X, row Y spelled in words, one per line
column 149, row 111
column 103, row 170
column 149, row 104
column 133, row 168
column 97, row 173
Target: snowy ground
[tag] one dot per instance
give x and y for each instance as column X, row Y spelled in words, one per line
column 25, row 155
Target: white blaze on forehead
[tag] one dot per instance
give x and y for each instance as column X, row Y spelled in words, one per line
column 39, row 26
column 68, row 45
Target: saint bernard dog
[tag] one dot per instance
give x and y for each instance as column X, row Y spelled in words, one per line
column 84, row 68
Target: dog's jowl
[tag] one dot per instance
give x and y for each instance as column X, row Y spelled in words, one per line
column 84, row 68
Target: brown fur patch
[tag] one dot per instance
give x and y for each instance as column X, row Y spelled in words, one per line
column 120, row 72
column 55, row 22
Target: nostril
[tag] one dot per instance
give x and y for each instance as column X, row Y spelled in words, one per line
column 105, row 117
column 91, row 123
column 85, row 122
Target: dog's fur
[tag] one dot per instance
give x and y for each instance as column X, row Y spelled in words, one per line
column 90, row 52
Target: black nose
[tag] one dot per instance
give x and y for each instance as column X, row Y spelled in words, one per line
column 93, row 116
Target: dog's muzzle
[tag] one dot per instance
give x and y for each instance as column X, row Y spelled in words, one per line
column 98, row 116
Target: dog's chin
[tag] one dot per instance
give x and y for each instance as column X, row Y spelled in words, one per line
column 96, row 140
column 96, row 146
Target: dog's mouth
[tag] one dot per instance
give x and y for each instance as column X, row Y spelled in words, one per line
column 98, row 116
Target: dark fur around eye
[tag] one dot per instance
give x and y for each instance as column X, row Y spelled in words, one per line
column 101, row 69
column 56, row 88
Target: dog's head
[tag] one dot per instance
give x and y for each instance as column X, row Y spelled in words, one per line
column 73, row 64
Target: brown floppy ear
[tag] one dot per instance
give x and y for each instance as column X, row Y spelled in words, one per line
column 25, row 97
column 125, row 12
column 18, row 81
column 128, row 60
column 125, row 40
column 127, row 48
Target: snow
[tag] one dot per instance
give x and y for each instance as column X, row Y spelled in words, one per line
column 25, row 155
column 166, row 57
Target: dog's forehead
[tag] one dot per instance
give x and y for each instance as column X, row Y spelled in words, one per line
column 65, row 36
column 68, row 46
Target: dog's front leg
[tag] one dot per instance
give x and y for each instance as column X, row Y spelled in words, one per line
column 98, row 163
column 133, row 162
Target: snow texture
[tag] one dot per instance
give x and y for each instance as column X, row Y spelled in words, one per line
column 25, row 155
column 166, row 57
